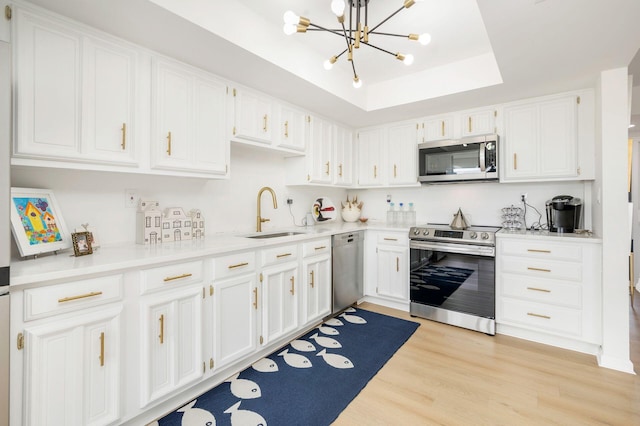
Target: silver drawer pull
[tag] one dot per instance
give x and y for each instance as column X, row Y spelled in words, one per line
column 320, row 248
column 177, row 277
column 538, row 269
column 539, row 289
column 82, row 296
column 283, row 255
column 391, row 239
column 538, row 251
column 531, row 314
column 238, row 265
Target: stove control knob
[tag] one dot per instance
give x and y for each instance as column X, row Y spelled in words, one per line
column 484, row 236
column 473, row 235
column 416, row 232
column 426, row 232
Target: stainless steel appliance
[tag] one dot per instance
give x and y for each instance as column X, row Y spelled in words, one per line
column 452, row 275
column 564, row 213
column 347, row 261
column 467, row 159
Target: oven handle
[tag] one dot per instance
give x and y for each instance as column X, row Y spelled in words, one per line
column 487, row 251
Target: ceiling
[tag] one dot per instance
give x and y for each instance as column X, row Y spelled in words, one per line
column 483, row 51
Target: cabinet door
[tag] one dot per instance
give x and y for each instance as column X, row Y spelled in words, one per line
column 109, row 101
column 479, row 122
column 292, row 128
column 321, row 137
column 520, row 142
column 171, row 341
column 370, row 144
column 47, row 72
column 317, row 288
column 558, row 137
column 279, row 301
column 210, row 144
column 72, row 370
column 172, row 89
column 343, row 169
column 393, row 267
column 438, row 128
column 253, row 118
column 401, row 152
column 235, row 310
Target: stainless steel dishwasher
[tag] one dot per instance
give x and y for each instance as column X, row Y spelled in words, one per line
column 347, row 262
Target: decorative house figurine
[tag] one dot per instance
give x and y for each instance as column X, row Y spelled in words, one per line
column 176, row 225
column 148, row 223
column 197, row 224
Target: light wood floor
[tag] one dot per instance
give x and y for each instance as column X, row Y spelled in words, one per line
column 450, row 376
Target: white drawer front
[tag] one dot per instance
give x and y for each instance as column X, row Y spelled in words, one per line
column 542, row 250
column 317, row 247
column 393, row 238
column 544, row 291
column 234, row 264
column 171, row 275
column 57, row 299
column 281, row 254
column 555, row 319
column 542, row 268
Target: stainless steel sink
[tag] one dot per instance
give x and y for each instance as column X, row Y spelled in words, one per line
column 274, row 235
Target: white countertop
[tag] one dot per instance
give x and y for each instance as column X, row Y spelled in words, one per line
column 585, row 237
column 118, row 257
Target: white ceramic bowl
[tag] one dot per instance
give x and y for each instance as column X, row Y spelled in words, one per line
column 350, row 215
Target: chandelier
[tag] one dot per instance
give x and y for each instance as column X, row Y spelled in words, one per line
column 356, row 34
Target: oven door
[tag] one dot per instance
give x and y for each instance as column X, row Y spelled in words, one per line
column 460, row 282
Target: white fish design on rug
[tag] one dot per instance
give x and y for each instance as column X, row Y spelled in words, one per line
column 265, row 365
column 350, row 310
column 334, row 322
column 353, row 319
column 295, row 360
column 243, row 388
column 196, row 416
column 303, row 346
column 335, row 360
column 244, row 417
column 327, row 342
column 328, row 330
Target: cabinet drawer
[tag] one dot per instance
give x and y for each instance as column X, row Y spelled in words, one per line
column 281, row 254
column 57, row 299
column 542, row 268
column 393, row 238
column 542, row 250
column 555, row 292
column 554, row 319
column 317, row 247
column 234, row 264
column 171, row 275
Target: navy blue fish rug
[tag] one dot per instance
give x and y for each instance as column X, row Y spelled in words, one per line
column 308, row 382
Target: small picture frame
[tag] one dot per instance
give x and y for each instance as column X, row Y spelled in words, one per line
column 81, row 243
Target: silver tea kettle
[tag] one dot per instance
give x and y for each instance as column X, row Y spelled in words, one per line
column 459, row 222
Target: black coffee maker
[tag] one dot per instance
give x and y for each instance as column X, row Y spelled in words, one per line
column 564, row 213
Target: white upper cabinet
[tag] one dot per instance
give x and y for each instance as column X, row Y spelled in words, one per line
column 371, row 144
column 321, row 137
column 478, row 122
column 401, row 154
column 188, row 111
column 435, row 129
column 292, row 128
column 253, row 116
column 343, row 157
column 541, row 139
column 75, row 96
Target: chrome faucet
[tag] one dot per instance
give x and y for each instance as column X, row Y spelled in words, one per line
column 275, row 206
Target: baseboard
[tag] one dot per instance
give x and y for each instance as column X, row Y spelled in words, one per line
column 613, row 363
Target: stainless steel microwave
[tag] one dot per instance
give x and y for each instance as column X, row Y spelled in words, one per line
column 467, row 159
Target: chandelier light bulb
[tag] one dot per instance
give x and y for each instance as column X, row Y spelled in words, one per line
column 289, row 29
column 424, row 39
column 327, row 65
column 357, row 83
column 291, row 18
column 337, row 7
column 408, row 59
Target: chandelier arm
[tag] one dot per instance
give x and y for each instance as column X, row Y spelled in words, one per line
column 344, row 33
column 342, row 53
column 390, row 34
column 386, row 19
column 379, row 48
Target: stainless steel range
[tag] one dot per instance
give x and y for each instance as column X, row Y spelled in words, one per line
column 452, row 276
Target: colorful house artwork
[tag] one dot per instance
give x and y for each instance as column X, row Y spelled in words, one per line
column 176, row 225
column 197, row 224
column 37, row 219
column 148, row 223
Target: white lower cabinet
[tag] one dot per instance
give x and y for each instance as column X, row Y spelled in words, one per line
column 171, row 339
column 316, row 280
column 72, row 369
column 279, row 301
column 386, row 273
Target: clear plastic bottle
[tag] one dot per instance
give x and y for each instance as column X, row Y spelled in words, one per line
column 391, row 214
column 411, row 216
column 402, row 216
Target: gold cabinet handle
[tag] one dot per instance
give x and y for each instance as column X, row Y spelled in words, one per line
column 81, row 296
column 161, row 336
column 320, row 248
column 177, row 277
column 375, row 172
column 293, row 286
column 515, row 161
column 340, row 168
column 169, row 144
column 543, row 290
column 395, row 171
column 123, row 144
column 531, row 314
column 283, row 255
column 391, row 239
column 538, row 251
column 470, row 127
column 102, row 349
column 210, row 290
column 327, row 165
column 238, row 265
column 264, row 123
column 255, row 298
column 397, row 264
column 286, row 129
column 442, row 127
column 312, row 279
column 538, row 269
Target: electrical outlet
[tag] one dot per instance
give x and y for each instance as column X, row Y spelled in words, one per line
column 388, row 198
column 289, row 201
column 523, row 197
column 131, row 198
